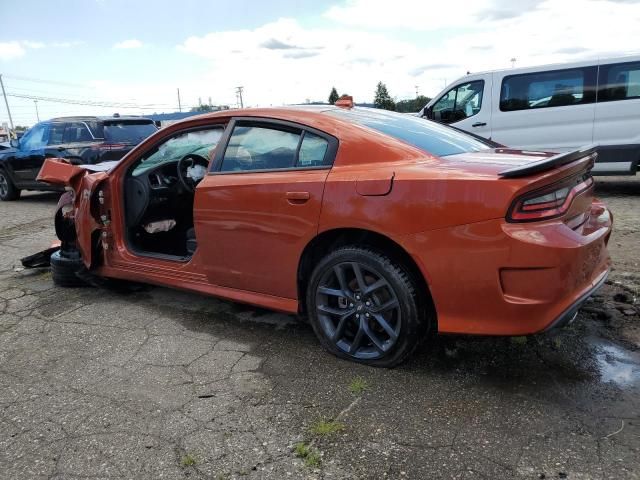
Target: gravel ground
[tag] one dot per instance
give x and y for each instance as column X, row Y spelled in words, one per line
column 157, row 383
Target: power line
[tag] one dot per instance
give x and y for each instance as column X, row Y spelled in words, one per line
column 93, row 103
column 40, row 80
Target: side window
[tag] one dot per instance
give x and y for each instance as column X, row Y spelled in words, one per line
column 35, row 139
column 313, row 151
column 76, row 132
column 461, row 102
column 619, row 82
column 260, row 148
column 196, row 142
column 56, row 132
column 558, row 88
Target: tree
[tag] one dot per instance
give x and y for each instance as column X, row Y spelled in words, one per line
column 412, row 105
column 202, row 108
column 333, row 96
column 382, row 99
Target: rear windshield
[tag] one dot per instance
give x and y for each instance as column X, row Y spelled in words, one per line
column 424, row 134
column 125, row 132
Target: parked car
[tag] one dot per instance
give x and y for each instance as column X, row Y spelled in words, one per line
column 82, row 140
column 379, row 226
column 552, row 108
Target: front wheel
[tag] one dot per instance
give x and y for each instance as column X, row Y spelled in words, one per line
column 64, row 268
column 365, row 307
column 8, row 190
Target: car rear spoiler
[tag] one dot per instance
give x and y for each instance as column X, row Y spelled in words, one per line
column 551, row 162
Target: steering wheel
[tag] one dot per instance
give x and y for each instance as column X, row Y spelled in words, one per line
column 189, row 161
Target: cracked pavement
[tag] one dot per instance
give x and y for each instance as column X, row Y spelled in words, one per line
column 156, row 383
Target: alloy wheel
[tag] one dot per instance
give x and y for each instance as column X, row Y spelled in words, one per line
column 4, row 185
column 358, row 310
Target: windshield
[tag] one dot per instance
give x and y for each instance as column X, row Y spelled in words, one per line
column 198, row 142
column 128, row 132
column 426, row 135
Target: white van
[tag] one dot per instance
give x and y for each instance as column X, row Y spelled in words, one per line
column 552, row 108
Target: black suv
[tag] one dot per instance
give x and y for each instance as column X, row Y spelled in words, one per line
column 81, row 140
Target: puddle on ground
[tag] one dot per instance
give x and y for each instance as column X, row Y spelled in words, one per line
column 618, row 365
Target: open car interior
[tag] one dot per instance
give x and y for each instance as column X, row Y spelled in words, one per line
column 159, row 193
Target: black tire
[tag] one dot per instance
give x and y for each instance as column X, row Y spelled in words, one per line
column 64, row 266
column 337, row 307
column 8, row 191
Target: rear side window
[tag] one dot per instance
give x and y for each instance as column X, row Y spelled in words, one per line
column 426, row 135
column 260, row 148
column 558, row 88
column 619, row 82
column 273, row 147
column 129, row 132
column 313, row 151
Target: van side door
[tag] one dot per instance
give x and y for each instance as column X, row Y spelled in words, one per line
column 617, row 118
column 550, row 110
column 467, row 106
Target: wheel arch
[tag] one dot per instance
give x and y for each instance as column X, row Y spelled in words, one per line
column 329, row 240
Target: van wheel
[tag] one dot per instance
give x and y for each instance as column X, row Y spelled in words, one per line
column 64, row 266
column 8, row 190
column 365, row 307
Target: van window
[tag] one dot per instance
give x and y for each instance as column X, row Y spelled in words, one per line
column 619, row 81
column 462, row 101
column 557, row 88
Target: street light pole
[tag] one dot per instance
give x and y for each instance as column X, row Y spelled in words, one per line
column 6, row 102
column 37, row 114
column 239, row 92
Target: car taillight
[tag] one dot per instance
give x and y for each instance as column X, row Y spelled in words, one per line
column 111, row 146
column 549, row 202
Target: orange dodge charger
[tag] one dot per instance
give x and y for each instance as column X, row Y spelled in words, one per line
column 378, row 226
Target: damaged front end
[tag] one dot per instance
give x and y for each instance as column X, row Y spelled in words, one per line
column 78, row 218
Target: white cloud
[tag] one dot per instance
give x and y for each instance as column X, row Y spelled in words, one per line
column 127, row 44
column 18, row 48
column 34, row 45
column 11, row 50
column 282, row 62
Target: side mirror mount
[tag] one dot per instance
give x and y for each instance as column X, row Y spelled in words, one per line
column 15, row 143
column 428, row 113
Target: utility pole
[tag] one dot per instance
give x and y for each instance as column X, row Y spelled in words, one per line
column 417, row 91
column 6, row 102
column 37, row 114
column 239, row 91
column 179, row 104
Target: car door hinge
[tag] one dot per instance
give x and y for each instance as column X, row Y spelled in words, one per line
column 106, row 221
column 101, row 197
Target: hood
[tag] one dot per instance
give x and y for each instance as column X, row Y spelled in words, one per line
column 58, row 171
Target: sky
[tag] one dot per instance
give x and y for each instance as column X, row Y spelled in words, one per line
column 130, row 56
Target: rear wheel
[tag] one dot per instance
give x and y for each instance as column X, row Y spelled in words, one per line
column 365, row 307
column 8, row 190
column 64, row 265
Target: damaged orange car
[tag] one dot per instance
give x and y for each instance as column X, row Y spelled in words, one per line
column 380, row 227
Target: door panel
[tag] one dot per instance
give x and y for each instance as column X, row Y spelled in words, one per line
column 27, row 161
column 480, row 122
column 544, row 110
column 251, row 228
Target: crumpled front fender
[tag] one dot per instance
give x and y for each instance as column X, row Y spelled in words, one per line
column 58, row 171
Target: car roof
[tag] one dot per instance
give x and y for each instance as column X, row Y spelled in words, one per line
column 99, row 118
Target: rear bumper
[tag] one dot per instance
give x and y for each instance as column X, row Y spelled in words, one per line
column 499, row 278
column 569, row 315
